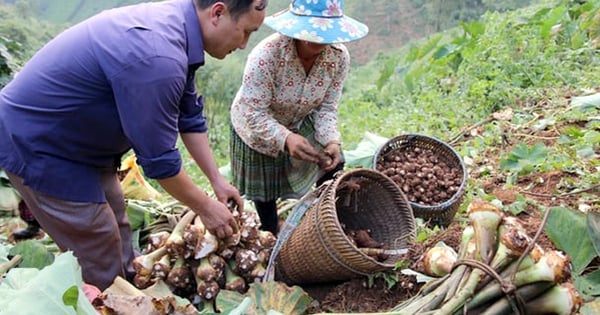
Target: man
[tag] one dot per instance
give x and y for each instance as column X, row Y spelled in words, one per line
column 119, row 80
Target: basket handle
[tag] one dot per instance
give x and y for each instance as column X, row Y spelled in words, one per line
column 305, row 203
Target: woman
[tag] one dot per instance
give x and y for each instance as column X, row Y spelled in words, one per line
column 284, row 116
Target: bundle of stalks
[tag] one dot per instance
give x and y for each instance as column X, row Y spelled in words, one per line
column 499, row 269
column 195, row 264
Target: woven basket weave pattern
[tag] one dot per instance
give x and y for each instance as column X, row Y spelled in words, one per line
column 443, row 213
column 320, row 251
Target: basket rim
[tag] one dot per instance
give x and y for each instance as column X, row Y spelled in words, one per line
column 461, row 189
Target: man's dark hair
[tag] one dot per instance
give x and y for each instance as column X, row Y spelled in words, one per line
column 236, row 7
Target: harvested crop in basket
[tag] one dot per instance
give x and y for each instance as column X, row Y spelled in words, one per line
column 422, row 175
column 499, row 269
column 195, row 264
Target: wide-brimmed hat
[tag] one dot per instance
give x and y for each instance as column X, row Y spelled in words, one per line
column 318, row 21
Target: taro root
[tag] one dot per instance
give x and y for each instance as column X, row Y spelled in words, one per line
column 425, row 177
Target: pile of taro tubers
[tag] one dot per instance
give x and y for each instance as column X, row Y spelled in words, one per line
column 424, row 176
column 195, row 264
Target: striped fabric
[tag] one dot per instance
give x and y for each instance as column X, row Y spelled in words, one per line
column 263, row 178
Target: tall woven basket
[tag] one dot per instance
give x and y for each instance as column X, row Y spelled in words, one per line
column 441, row 213
column 319, row 250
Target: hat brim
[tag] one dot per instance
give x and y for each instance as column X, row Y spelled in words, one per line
column 323, row 30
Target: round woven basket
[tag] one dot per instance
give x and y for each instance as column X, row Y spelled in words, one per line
column 442, row 213
column 319, row 250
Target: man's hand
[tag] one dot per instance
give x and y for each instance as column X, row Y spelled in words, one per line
column 218, row 219
column 226, row 192
column 300, row 148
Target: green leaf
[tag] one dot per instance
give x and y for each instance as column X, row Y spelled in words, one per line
column 591, row 308
column 227, row 301
column 563, row 227
column 593, row 225
column 34, row 253
column 71, row 296
column 137, row 215
column 47, row 287
column 588, row 285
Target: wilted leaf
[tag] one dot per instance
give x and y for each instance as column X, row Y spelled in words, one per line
column 565, row 225
column 277, row 296
column 266, row 297
column 230, row 302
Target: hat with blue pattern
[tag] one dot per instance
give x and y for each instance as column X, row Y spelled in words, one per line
column 318, row 21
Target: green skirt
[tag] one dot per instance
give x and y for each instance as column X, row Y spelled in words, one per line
column 261, row 177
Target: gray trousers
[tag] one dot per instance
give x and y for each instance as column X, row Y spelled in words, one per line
column 99, row 234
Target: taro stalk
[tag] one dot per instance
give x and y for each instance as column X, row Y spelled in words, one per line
column 207, row 245
column 552, row 267
column 175, row 244
column 560, row 299
column 144, row 264
column 192, row 235
column 485, row 218
column 199, row 241
column 248, row 227
column 439, row 260
column 256, row 274
column 234, row 282
column 434, row 293
column 156, row 240
column 245, row 261
column 180, row 275
column 267, row 239
column 505, row 305
column 162, row 267
column 205, row 271
column 512, row 244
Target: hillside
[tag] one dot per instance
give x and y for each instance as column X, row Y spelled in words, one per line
column 391, row 24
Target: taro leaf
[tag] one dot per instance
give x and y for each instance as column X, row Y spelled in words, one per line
column 362, row 155
column 590, row 308
column 593, row 225
column 585, row 102
column 267, row 298
column 228, row 301
column 568, row 231
column 33, row 291
column 588, row 285
column 34, row 254
column 277, row 296
column 137, row 214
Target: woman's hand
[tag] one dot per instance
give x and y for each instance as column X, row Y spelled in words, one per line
column 300, row 148
column 333, row 152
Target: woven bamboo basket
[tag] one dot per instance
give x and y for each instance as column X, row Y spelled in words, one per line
column 443, row 213
column 318, row 250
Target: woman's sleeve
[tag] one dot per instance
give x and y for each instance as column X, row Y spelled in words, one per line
column 251, row 110
column 325, row 116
